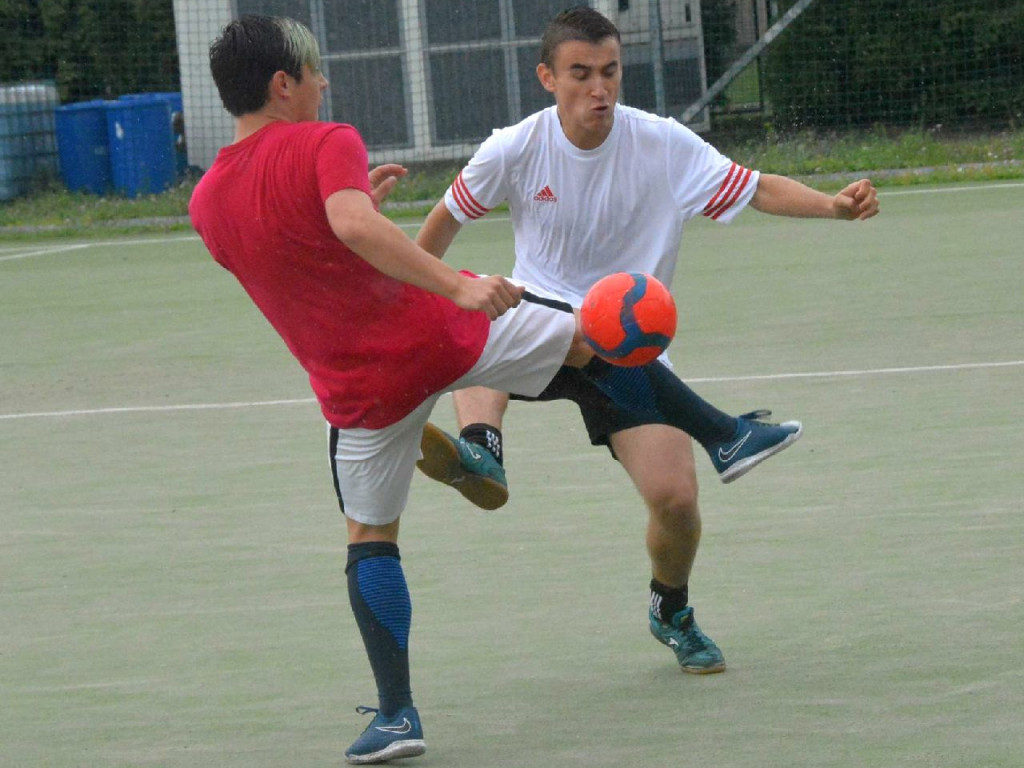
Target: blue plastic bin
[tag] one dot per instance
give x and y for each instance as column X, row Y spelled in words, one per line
column 141, row 142
column 177, row 123
column 83, row 146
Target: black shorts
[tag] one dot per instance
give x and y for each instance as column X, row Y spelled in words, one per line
column 601, row 416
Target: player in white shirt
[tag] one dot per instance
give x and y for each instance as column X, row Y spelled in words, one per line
column 594, row 188
column 581, row 214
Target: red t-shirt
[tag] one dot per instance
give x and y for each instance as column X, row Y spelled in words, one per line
column 374, row 347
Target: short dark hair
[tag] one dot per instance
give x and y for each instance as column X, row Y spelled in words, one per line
column 581, row 23
column 248, row 53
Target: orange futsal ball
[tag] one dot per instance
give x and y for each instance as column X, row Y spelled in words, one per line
column 629, row 318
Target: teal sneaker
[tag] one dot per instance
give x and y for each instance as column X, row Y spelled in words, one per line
column 753, row 442
column 695, row 651
column 388, row 738
column 468, row 468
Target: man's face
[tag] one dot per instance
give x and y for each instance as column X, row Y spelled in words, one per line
column 308, row 94
column 585, row 80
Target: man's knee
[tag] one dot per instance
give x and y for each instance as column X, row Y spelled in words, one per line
column 675, row 499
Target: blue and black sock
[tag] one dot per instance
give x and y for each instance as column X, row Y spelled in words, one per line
column 383, row 610
column 653, row 391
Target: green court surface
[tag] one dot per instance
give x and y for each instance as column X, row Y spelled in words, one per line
column 172, row 588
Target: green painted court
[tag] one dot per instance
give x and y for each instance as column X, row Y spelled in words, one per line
column 171, row 577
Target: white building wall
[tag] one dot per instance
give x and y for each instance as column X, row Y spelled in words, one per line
column 208, row 125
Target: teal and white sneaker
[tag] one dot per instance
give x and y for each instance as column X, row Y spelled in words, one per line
column 388, row 738
column 468, row 468
column 695, row 651
column 753, row 442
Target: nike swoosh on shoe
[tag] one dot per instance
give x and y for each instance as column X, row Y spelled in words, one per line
column 729, row 454
column 405, row 727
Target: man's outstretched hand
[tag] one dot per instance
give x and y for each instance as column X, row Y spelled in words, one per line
column 383, row 179
column 858, row 201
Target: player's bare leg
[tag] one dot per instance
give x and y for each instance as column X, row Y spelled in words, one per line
column 480, row 404
column 472, row 462
column 659, row 460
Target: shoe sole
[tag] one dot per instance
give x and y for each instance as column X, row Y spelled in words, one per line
column 441, row 462
column 714, row 670
column 393, row 751
column 704, row 670
column 740, row 468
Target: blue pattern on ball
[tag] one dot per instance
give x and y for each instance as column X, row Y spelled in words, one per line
column 636, row 337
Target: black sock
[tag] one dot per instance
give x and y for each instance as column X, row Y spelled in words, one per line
column 653, row 391
column 667, row 601
column 487, row 437
column 380, row 602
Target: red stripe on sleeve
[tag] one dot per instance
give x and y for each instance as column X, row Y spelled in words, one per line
column 465, row 200
column 727, row 196
column 734, row 194
column 726, row 190
column 725, row 185
column 473, row 201
column 460, row 199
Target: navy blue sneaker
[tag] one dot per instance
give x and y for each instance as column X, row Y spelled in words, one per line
column 388, row 738
column 467, row 467
column 754, row 441
column 695, row 651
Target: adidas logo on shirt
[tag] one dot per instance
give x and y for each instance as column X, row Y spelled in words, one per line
column 546, row 196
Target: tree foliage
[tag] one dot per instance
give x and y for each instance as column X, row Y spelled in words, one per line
column 94, row 49
column 899, row 63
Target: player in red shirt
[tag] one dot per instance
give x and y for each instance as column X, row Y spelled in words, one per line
column 381, row 326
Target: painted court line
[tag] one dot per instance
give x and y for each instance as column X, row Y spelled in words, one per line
column 154, row 409
column 13, row 253
column 7, row 255
column 54, row 249
column 308, row 400
column 4, row 256
column 864, row 372
column 43, row 252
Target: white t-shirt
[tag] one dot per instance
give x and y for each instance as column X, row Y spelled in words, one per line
column 580, row 214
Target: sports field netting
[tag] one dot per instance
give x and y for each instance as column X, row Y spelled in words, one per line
column 426, row 80
column 172, row 556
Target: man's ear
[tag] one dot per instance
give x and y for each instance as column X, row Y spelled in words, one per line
column 280, row 85
column 546, row 77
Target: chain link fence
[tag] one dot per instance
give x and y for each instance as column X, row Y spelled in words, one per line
column 116, row 94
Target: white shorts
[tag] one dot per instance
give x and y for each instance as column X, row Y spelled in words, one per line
column 525, row 347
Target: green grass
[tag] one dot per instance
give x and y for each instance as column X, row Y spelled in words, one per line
column 173, row 590
column 55, row 211
column 821, row 160
column 745, row 90
column 810, row 153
